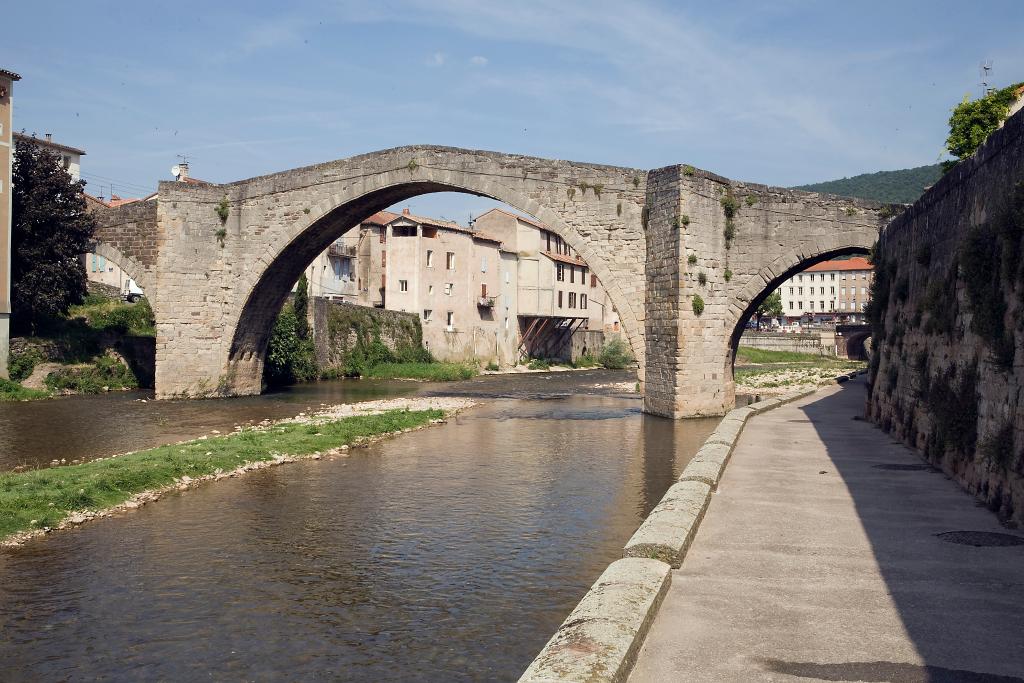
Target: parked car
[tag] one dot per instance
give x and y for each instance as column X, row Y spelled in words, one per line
column 131, row 292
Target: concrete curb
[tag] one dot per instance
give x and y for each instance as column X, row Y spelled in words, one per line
column 600, row 640
column 667, row 532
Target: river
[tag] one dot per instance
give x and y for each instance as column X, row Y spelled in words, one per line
column 452, row 553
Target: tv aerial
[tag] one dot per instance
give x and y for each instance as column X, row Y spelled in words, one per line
column 985, row 71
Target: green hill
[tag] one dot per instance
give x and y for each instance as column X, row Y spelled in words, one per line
column 899, row 187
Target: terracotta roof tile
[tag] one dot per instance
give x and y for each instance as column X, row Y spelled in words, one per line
column 855, row 263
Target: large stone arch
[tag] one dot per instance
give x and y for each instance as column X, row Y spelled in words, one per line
column 277, row 224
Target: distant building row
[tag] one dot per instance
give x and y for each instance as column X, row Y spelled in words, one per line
column 827, row 292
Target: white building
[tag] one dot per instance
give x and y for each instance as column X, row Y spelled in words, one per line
column 827, row 293
column 70, row 157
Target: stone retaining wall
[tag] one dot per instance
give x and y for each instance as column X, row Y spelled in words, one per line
column 338, row 327
column 947, row 371
column 777, row 341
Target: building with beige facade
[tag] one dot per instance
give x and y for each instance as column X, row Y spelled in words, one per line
column 70, row 157
column 501, row 290
column 7, row 79
column 829, row 292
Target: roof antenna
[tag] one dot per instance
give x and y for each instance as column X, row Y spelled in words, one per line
column 985, row 70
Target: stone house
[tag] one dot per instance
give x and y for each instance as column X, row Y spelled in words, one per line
column 560, row 301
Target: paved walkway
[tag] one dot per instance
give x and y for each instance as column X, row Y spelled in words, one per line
column 818, row 560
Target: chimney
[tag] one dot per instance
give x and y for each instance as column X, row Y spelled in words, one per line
column 183, row 171
column 49, row 137
column 405, row 211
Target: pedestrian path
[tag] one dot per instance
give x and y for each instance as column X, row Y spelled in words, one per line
column 822, row 558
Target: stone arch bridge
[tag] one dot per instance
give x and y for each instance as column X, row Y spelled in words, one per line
column 656, row 240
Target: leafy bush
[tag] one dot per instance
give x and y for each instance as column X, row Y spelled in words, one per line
column 727, row 274
column 21, row 365
column 539, row 364
column 691, row 259
column 698, row 304
column 117, row 316
column 493, row 366
column 615, row 355
column 973, row 121
column 105, row 374
column 290, row 359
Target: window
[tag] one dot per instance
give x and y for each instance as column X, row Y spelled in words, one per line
column 426, row 315
column 483, row 289
column 842, row 305
column 583, row 275
column 430, row 258
column 832, row 290
column 791, row 291
column 572, row 274
column 821, row 305
column 383, row 258
column 572, row 299
column 508, row 277
column 483, row 264
column 801, row 290
column 449, row 260
column 448, row 286
column 450, row 320
column 403, row 231
column 800, row 278
column 559, row 299
column 800, row 305
column 791, row 305
column 812, row 305
column 506, row 322
column 430, row 289
column 383, row 235
column 593, row 280
column 583, row 301
column 403, row 285
column 548, row 236
column 832, row 276
column 864, row 291
column 560, row 272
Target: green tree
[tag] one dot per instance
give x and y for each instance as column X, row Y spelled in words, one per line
column 974, row 120
column 302, row 307
column 290, row 359
column 49, row 233
column 771, row 306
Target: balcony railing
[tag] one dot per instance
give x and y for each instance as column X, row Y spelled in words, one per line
column 485, row 302
column 344, row 250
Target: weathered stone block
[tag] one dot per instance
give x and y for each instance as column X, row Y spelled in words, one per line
column 667, row 532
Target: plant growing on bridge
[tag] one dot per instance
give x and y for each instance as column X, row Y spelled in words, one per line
column 682, row 221
column 729, row 207
column 223, row 210
column 691, row 259
column 688, row 170
column 50, row 230
column 750, row 199
column 702, row 278
column 412, row 166
column 570, row 192
column 221, row 235
column 597, row 188
column 727, row 274
column 618, row 209
column 698, row 304
column 636, row 181
column 973, row 121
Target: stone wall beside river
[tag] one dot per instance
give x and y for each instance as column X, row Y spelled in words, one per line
column 947, row 320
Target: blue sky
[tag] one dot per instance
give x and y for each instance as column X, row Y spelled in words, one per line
column 783, row 92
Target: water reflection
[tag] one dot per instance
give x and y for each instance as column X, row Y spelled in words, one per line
column 448, row 554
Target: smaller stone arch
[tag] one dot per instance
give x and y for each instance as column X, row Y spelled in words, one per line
column 770, row 278
column 130, row 266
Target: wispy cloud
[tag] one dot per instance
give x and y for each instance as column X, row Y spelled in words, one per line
column 436, row 59
column 478, row 60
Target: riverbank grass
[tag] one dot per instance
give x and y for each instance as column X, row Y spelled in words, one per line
column 435, row 372
column 12, row 391
column 44, row 498
column 762, row 369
